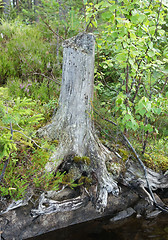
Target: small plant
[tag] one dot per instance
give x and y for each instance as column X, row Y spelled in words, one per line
column 84, row 160
column 40, row 91
column 23, row 154
column 50, row 108
column 156, row 155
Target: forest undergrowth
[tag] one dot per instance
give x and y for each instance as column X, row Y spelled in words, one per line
column 131, row 86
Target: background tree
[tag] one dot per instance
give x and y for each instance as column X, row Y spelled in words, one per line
column 6, row 7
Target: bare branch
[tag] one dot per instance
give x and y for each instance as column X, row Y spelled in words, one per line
column 4, row 169
column 54, row 80
column 164, row 85
column 24, row 136
column 50, row 28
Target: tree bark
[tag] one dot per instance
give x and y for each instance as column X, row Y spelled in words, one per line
column 6, row 7
column 72, row 125
column 36, row 5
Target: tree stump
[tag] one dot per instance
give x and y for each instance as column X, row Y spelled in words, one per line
column 72, row 124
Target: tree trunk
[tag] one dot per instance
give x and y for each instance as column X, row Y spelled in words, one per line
column 6, row 7
column 36, row 5
column 36, row 2
column 72, row 125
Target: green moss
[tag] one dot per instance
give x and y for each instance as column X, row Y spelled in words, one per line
column 84, row 160
column 124, row 153
column 67, row 178
column 77, row 159
column 86, row 181
column 156, row 160
column 114, row 167
column 54, row 142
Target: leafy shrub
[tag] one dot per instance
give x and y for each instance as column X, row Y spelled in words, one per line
column 131, row 40
column 26, row 53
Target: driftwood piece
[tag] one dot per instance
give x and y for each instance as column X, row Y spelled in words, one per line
column 145, row 184
column 48, row 206
column 134, row 173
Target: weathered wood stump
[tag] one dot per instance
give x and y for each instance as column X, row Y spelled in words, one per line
column 72, row 125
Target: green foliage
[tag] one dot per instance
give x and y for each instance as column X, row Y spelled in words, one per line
column 131, row 83
column 23, row 48
column 25, row 170
column 50, row 107
column 46, row 91
column 156, row 156
column 131, row 40
column 15, row 114
column 62, row 17
column 26, row 162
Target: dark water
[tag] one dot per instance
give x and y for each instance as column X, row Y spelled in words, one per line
column 103, row 229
